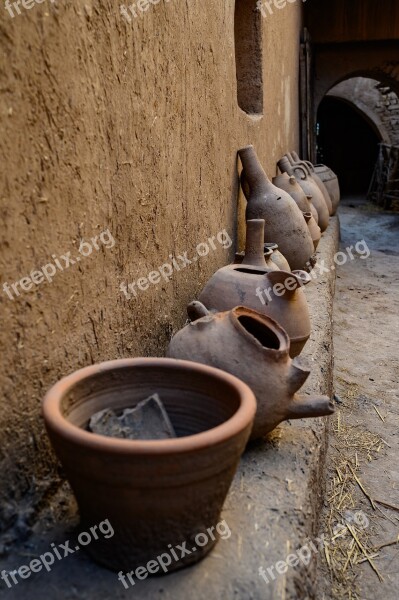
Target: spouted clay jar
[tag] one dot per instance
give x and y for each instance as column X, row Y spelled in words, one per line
column 291, row 186
column 275, row 261
column 277, row 294
column 285, row 224
column 255, row 349
column 277, row 257
column 268, row 259
column 328, row 177
column 311, row 172
column 314, row 229
column 310, row 188
column 157, row 492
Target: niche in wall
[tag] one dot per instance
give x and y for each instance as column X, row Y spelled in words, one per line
column 248, row 54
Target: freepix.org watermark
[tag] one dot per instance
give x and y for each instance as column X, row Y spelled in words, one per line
column 267, row 7
column 304, row 555
column 60, row 551
column 178, row 262
column 176, row 553
column 291, row 283
column 63, row 262
column 14, row 8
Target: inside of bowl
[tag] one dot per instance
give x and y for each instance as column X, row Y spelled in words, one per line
column 195, row 401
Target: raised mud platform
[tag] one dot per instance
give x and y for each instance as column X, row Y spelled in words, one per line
column 271, row 510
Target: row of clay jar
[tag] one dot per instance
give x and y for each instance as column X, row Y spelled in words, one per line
column 252, row 317
column 296, row 206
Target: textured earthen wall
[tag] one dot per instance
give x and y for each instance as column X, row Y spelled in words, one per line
column 131, row 127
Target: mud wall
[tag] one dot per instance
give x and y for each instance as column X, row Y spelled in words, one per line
column 127, row 131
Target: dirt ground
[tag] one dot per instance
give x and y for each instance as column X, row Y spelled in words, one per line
column 361, row 509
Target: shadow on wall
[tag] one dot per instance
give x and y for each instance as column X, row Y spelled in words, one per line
column 347, row 143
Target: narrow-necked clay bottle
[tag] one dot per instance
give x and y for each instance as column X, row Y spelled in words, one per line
column 310, row 188
column 312, row 173
column 255, row 349
column 284, row 221
column 268, row 257
column 290, row 185
column 277, row 257
column 328, row 177
column 313, row 228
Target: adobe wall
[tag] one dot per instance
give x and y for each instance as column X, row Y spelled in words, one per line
column 130, row 128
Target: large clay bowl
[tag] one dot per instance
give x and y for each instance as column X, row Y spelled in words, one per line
column 154, row 493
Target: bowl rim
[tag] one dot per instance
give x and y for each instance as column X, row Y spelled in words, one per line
column 57, row 424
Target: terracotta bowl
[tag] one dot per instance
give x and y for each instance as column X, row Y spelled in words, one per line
column 154, row 493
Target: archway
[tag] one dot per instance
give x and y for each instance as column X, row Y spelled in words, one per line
column 332, row 64
column 354, row 116
column 348, row 143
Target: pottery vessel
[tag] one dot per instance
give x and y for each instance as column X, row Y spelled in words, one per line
column 275, row 261
column 311, row 172
column 277, row 257
column 284, row 221
column 270, row 264
column 265, row 366
column 291, row 186
column 314, row 229
column 310, row 188
column 277, row 294
column 154, row 493
column 329, row 178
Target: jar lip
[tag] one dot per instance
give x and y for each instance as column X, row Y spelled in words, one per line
column 58, row 425
column 277, row 330
column 270, row 246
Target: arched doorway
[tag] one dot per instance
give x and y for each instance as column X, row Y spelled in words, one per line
column 348, row 143
column 353, row 118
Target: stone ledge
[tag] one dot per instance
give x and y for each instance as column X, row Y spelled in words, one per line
column 272, row 507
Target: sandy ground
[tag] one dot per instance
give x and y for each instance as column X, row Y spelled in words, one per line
column 364, row 443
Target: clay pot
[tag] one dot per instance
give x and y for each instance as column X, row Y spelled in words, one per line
column 313, row 228
column 330, row 180
column 284, row 221
column 310, row 188
column 277, row 294
column 154, row 493
column 221, row 339
column 291, row 186
column 270, row 264
column 311, row 172
column 275, row 261
column 277, row 257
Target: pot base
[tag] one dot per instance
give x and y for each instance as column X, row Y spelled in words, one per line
column 161, row 559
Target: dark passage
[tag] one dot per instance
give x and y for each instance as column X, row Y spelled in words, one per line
column 347, row 143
